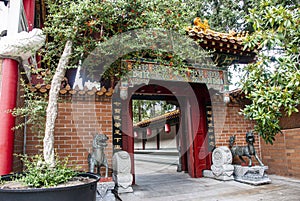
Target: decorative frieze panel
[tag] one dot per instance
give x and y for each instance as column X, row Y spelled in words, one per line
column 142, row 72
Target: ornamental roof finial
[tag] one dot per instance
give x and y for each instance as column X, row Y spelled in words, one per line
column 204, row 26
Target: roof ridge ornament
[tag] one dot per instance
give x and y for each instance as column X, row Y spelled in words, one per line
column 228, row 44
column 204, row 27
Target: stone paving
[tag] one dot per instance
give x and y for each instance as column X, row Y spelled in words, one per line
column 160, row 182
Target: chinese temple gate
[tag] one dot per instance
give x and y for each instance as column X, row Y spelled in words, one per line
column 191, row 88
column 195, row 130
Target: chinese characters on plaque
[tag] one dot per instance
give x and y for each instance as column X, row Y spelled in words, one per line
column 143, row 71
column 210, row 128
column 117, row 124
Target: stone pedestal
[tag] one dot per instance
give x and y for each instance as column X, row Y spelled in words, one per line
column 221, row 168
column 124, row 182
column 122, row 172
column 251, row 175
column 104, row 191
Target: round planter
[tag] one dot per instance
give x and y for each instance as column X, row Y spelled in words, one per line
column 82, row 192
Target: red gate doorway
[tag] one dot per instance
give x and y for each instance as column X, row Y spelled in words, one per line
column 192, row 99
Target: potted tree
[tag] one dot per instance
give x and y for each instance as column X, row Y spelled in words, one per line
column 47, row 177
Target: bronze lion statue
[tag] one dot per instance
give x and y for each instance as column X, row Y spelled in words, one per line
column 247, row 150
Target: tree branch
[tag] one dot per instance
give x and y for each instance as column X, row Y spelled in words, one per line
column 51, row 115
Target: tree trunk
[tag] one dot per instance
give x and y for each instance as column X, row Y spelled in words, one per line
column 48, row 145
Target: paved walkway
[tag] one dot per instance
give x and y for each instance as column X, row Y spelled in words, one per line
column 156, row 181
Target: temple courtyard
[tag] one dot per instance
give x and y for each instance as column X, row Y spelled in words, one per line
column 157, row 179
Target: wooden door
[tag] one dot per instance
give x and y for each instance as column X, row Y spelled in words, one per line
column 198, row 155
column 200, row 144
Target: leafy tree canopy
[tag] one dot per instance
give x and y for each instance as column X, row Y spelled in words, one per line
column 225, row 15
column 89, row 22
column 273, row 82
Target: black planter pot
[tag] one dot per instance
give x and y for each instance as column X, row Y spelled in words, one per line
column 83, row 192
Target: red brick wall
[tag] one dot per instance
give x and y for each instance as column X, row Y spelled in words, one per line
column 228, row 122
column 291, row 122
column 283, row 157
column 77, row 122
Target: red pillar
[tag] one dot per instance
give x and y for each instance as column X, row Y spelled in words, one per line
column 7, row 121
column 29, row 12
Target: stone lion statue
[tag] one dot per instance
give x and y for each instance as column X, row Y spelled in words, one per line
column 97, row 158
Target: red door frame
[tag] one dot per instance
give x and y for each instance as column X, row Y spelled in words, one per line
column 190, row 139
column 197, row 156
column 127, row 132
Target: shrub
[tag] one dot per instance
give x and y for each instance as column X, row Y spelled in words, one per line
column 39, row 174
